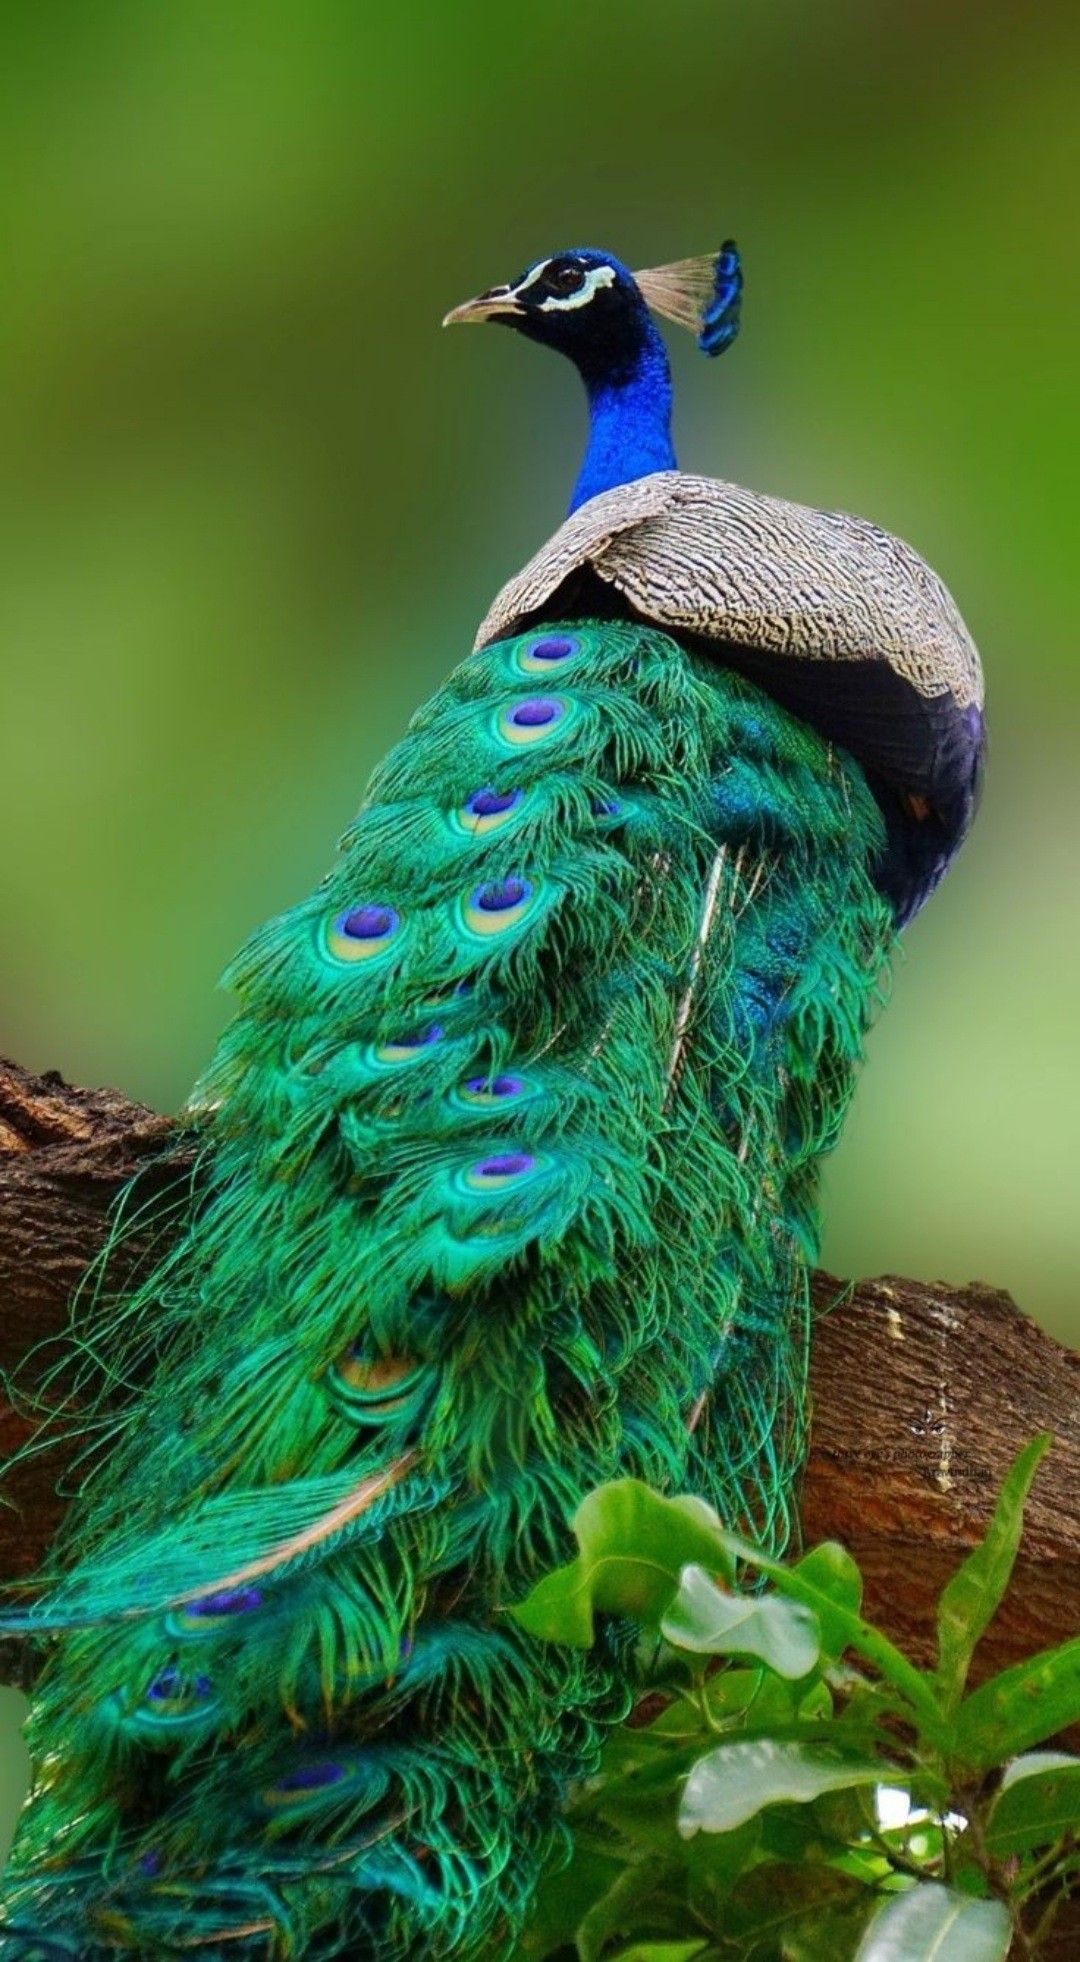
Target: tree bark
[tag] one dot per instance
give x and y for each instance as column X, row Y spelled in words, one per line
column 922, row 1393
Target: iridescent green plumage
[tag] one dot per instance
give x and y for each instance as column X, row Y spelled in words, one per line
column 506, row 1186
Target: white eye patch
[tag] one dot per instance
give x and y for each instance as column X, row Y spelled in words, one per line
column 597, row 277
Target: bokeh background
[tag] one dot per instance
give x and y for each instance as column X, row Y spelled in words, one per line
column 256, row 502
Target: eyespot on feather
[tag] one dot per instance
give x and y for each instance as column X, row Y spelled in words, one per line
column 607, row 810
column 170, row 1684
column 362, row 933
column 492, row 1092
column 304, row 1785
column 409, row 1048
column 487, row 810
column 213, row 1612
column 499, row 1171
column 376, row 1392
column 498, row 905
column 533, row 720
column 316, row 1782
column 550, row 651
column 172, row 1702
column 310, row 1777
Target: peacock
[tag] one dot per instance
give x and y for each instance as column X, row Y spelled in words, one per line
column 505, row 1185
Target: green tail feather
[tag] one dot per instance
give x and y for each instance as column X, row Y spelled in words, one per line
column 506, row 1187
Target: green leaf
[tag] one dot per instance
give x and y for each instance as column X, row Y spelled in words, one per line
column 644, row 1811
column 736, row 1780
column 1038, row 1802
column 974, row 1593
column 930, row 1923
column 862, row 1717
column 705, row 1619
column 562, row 1901
column 1034, row 1763
column 776, row 1900
column 837, row 1583
column 825, row 1937
column 733, row 1696
column 634, row 1545
column 845, row 1816
column 623, row 1908
column 714, row 1862
column 1019, row 1708
column 642, row 1770
column 660, row 1952
column 820, row 1588
column 766, row 1702
column 793, row 1832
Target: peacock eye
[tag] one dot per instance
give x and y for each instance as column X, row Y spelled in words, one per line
column 564, row 277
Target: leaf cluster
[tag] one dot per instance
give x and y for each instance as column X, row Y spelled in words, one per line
column 791, row 1787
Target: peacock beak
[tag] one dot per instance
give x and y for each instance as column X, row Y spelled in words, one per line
column 497, row 303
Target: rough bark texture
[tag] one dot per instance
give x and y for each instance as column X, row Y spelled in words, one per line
column 922, row 1395
column 64, row 1154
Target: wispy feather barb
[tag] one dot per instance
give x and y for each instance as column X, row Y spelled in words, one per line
column 703, row 294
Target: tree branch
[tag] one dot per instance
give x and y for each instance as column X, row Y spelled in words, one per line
column 922, row 1393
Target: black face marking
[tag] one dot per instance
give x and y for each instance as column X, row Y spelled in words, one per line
column 557, row 280
column 562, row 277
column 585, row 305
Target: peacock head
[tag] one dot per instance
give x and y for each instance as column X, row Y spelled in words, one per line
column 587, row 305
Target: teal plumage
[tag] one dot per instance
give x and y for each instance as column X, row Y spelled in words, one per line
column 506, row 1185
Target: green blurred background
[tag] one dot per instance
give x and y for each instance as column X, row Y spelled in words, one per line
column 256, row 502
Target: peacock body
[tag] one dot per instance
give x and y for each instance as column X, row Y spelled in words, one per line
column 506, row 1186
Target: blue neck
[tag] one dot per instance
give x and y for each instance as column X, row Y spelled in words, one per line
column 629, row 420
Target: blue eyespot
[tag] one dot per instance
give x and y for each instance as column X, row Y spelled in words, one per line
column 499, row 1170
column 501, row 896
column 213, row 1611
column 497, row 1090
column 170, row 1684
column 362, row 932
column 501, row 903
column 531, row 721
column 409, row 1047
column 368, row 922
column 486, row 810
column 606, row 810
column 492, row 803
column 540, row 656
column 492, row 1089
column 305, row 1784
column 172, row 1702
column 310, row 1777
